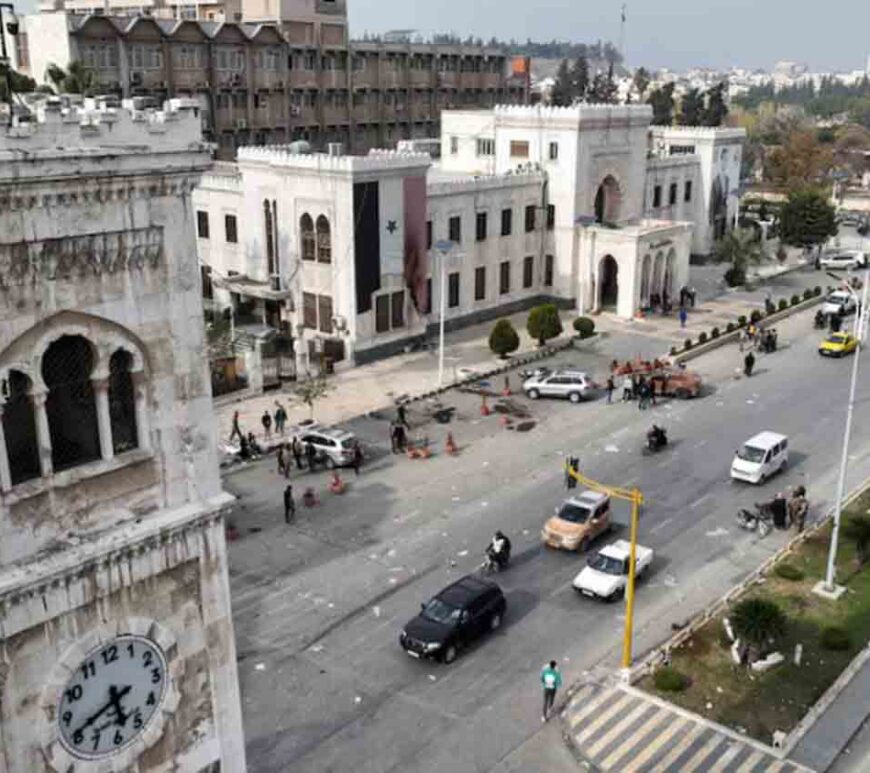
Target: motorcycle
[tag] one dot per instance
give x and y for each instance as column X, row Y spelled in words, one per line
column 759, row 520
column 655, row 441
column 494, row 562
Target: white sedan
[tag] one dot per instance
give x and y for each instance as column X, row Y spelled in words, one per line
column 844, row 261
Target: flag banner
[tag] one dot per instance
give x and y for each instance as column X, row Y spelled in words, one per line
column 416, row 253
column 366, row 244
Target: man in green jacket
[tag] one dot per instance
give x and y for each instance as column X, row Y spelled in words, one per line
column 552, row 681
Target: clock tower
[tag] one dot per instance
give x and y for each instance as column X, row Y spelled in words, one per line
column 116, row 639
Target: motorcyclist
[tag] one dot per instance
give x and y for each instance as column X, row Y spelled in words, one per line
column 499, row 550
column 657, row 437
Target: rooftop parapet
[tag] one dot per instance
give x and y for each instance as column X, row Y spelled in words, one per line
column 376, row 160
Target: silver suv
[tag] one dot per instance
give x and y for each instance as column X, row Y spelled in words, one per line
column 573, row 384
column 333, row 446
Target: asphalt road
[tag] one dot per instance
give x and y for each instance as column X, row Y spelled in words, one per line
column 318, row 605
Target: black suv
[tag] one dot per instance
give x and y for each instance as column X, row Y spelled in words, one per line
column 468, row 608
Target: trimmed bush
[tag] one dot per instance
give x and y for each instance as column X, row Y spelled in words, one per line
column 817, row 291
column 544, row 323
column 734, row 277
column 795, row 299
column 673, row 351
column 668, row 679
column 584, row 326
column 503, row 339
column 835, row 638
column 755, row 316
column 808, row 294
column 687, row 344
column 702, row 338
column 788, row 572
column 741, row 320
column 714, row 333
column 730, row 327
column 783, row 304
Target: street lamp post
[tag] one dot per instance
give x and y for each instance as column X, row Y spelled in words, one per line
column 828, row 588
column 10, row 26
column 444, row 248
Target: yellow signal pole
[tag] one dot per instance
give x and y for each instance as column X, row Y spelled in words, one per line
column 634, row 496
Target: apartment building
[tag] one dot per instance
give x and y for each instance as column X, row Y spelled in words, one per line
column 272, row 83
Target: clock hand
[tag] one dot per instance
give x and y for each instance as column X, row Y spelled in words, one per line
column 97, row 714
column 115, row 696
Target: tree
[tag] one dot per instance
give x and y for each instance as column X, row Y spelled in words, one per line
column 662, row 101
column 76, row 79
column 504, row 339
column 691, row 108
column 756, row 622
column 716, row 110
column 580, row 78
column 800, row 160
column 603, row 90
column 311, row 389
column 807, row 218
column 563, row 89
column 544, row 323
column 641, row 81
column 857, row 529
column 18, row 83
column 740, row 248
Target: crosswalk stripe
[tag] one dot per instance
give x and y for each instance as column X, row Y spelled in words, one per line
column 590, row 707
column 636, row 763
column 684, row 744
column 602, row 718
column 776, row 767
column 698, row 758
column 726, row 758
column 751, row 761
column 638, row 735
column 614, row 731
column 580, row 696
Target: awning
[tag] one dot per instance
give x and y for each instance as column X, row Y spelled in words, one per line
column 251, row 288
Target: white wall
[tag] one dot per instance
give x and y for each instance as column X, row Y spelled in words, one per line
column 466, row 127
column 49, row 42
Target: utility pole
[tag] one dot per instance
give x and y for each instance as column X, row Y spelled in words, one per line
column 444, row 247
column 622, row 35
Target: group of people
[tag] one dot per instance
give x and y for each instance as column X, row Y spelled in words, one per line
column 280, row 421
column 759, row 338
column 786, row 513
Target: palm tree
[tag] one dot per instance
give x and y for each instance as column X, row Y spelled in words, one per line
column 857, row 529
column 76, row 79
column 757, row 622
column 740, row 248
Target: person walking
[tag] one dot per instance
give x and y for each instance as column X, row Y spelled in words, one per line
column 798, row 507
column 282, row 462
column 610, row 387
column 266, row 421
column 394, row 436
column 296, row 450
column 280, row 418
column 289, row 504
column 357, row 457
column 401, row 417
column 748, row 364
column 236, row 429
column 684, row 315
column 551, row 679
column 401, row 437
column 311, row 456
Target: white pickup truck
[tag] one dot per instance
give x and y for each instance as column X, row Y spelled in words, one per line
column 606, row 573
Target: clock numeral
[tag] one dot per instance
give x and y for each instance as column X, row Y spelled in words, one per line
column 131, row 650
column 96, row 739
column 137, row 720
column 110, row 654
column 67, row 718
column 89, row 669
column 151, row 699
column 155, row 675
column 118, row 739
column 74, row 693
column 147, row 658
column 78, row 737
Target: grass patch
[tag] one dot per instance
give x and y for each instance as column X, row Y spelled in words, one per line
column 831, row 633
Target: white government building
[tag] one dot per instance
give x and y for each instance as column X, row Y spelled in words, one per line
column 588, row 206
column 117, row 649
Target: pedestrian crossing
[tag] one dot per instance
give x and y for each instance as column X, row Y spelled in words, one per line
column 619, row 729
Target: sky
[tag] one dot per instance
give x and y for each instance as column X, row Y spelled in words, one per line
column 830, row 35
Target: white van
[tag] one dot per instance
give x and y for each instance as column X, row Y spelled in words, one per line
column 760, row 457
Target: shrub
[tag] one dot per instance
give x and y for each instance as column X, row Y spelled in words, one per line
column 584, row 326
column 817, row 291
column 808, row 294
column 741, row 320
column 755, row 316
column 835, row 638
column 687, row 344
column 795, row 299
column 714, row 333
column 544, row 323
column 668, row 679
column 757, row 621
column 734, row 277
column 730, row 327
column 702, row 338
column 783, row 304
column 788, row 572
column 503, row 339
column 673, row 351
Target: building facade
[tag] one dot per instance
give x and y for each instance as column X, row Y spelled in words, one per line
column 270, row 82
column 586, row 206
column 116, row 639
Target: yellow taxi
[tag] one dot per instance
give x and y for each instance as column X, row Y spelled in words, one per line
column 838, row 344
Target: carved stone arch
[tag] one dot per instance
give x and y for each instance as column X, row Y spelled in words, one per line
column 608, row 200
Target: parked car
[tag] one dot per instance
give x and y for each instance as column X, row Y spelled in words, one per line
column 333, row 446
column 838, row 345
column 578, row 521
column 606, row 573
column 839, row 301
column 573, row 384
column 453, row 619
column 760, row 457
column 847, row 259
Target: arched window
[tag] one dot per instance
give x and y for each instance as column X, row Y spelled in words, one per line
column 122, row 402
column 19, row 429
column 70, row 406
column 324, row 241
column 306, row 229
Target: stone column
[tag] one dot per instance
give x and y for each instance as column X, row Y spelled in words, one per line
column 143, row 427
column 104, row 418
column 43, row 435
column 5, row 473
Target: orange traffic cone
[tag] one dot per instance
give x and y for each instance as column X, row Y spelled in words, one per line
column 506, row 392
column 484, row 408
column 336, row 485
column 450, row 445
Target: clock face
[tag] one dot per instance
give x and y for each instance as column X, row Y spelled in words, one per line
column 111, row 697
